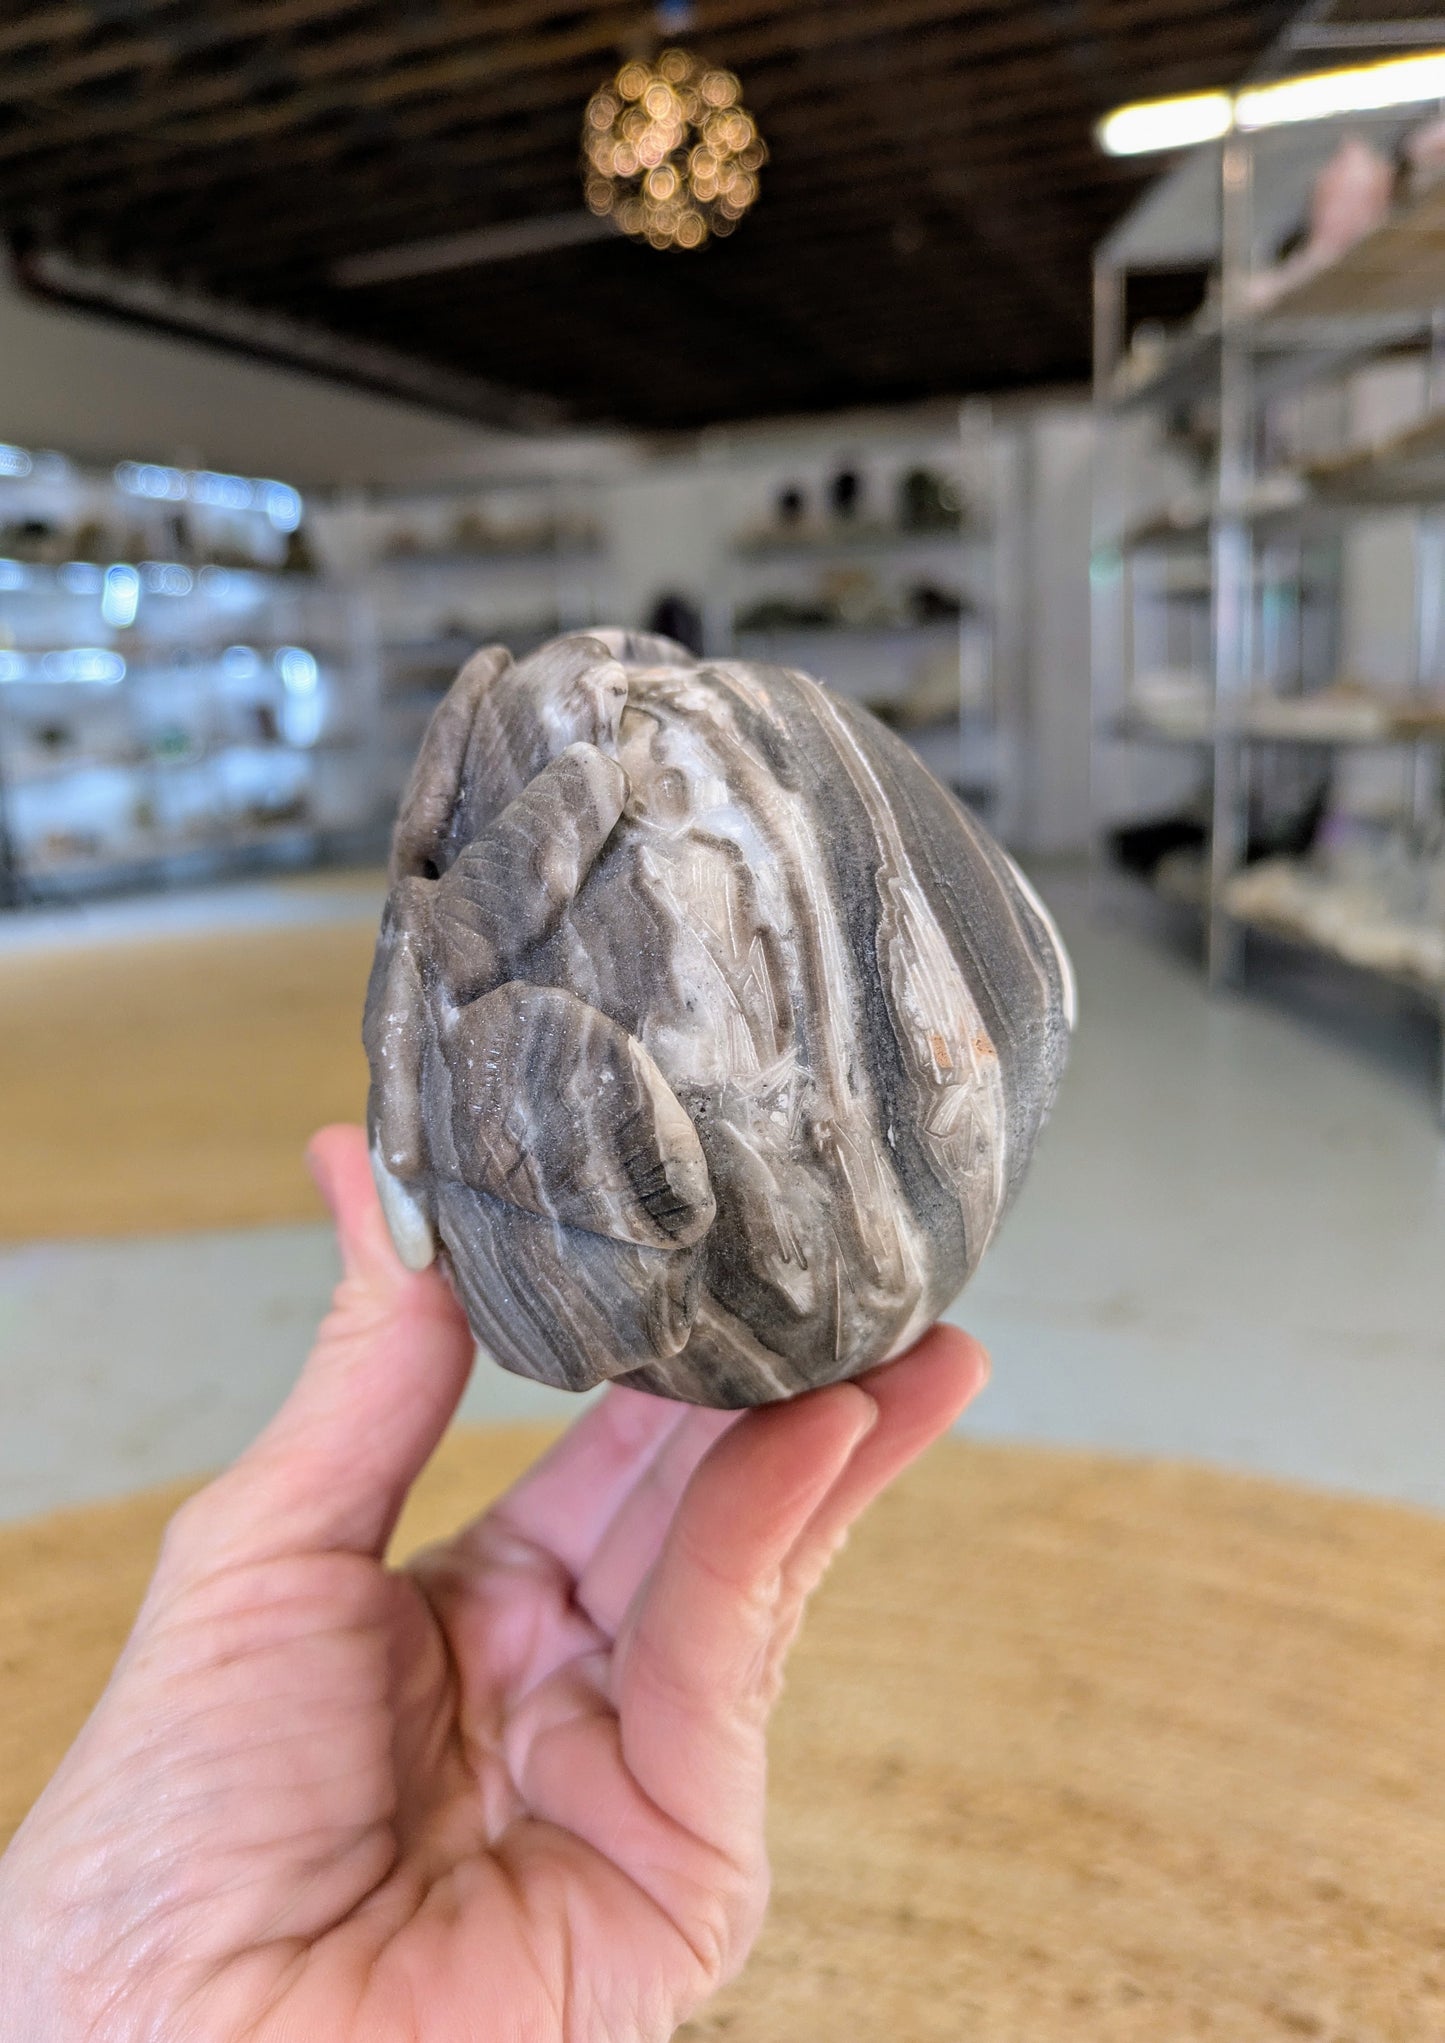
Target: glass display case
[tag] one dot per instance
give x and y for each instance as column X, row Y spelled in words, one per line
column 178, row 682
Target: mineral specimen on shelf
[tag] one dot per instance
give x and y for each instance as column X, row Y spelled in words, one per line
column 709, row 1035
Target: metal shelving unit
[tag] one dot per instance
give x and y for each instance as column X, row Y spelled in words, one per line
column 178, row 681
column 1258, row 612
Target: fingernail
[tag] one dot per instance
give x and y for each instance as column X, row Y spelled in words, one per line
column 868, row 1419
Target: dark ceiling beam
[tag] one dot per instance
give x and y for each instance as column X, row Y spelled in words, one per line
column 802, row 138
column 1004, row 99
column 626, row 389
column 502, row 328
column 358, row 217
column 697, row 329
column 46, row 24
column 47, row 76
column 1005, row 73
column 778, row 28
column 600, row 37
column 152, row 148
column 823, row 325
column 903, row 295
column 998, row 107
column 962, row 63
column 229, row 246
column 705, row 339
column 493, row 52
column 146, row 43
column 892, row 195
column 1039, row 248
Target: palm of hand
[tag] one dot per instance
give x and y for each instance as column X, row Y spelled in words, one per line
column 513, row 1791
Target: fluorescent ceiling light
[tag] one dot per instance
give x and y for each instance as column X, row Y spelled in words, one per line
column 1156, row 124
column 1362, row 89
column 1166, row 123
column 470, row 249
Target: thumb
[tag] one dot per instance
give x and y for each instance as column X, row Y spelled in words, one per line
column 333, row 1468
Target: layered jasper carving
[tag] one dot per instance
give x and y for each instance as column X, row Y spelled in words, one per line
column 709, row 1035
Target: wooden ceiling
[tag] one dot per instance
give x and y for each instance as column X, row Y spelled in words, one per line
column 925, row 228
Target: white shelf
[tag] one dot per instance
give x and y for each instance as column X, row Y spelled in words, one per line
column 19, row 577
column 1268, row 726
column 1286, row 898
column 860, row 539
column 1404, row 471
column 865, row 637
column 1395, row 271
column 163, row 861
column 454, row 560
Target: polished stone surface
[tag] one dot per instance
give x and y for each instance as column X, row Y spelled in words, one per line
column 710, row 1037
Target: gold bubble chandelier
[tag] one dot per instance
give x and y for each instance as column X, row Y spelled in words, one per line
column 670, row 152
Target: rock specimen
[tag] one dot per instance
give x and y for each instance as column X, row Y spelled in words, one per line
column 709, row 1035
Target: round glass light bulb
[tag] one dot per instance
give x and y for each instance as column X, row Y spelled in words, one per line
column 669, row 151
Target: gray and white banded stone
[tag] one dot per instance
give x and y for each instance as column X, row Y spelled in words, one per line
column 709, row 1035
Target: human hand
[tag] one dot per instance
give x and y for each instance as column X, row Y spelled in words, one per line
column 511, row 1792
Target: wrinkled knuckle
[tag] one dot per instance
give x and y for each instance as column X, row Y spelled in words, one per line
column 185, row 1532
column 712, row 1938
column 196, row 1532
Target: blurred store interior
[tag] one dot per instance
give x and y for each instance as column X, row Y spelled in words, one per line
column 1104, row 460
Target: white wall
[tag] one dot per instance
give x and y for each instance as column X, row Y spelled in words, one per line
column 669, row 525
column 102, row 390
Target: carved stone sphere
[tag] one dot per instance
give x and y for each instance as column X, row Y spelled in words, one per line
column 709, row 1035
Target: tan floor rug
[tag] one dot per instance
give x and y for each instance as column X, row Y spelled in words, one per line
column 166, row 1085
column 1074, row 1751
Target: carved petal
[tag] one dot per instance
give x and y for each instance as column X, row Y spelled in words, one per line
column 418, row 845
column 507, row 890
column 559, row 1111
column 394, row 1027
column 560, row 1305
column 566, row 693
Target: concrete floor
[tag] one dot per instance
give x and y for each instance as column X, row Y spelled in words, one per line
column 1231, row 1248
